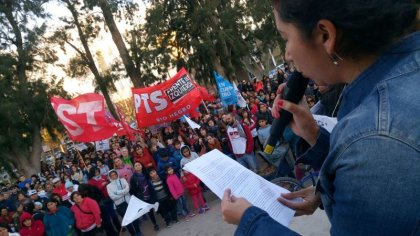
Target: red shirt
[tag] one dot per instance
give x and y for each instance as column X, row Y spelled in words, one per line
column 87, row 213
column 146, row 160
column 100, row 184
column 192, row 184
column 62, row 192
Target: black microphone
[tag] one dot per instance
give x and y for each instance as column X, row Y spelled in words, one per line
column 293, row 92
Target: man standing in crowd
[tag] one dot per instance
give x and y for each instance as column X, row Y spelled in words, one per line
column 241, row 142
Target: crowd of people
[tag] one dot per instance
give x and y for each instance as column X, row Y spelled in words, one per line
column 86, row 192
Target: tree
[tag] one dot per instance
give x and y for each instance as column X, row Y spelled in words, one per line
column 208, row 35
column 132, row 68
column 24, row 93
column 86, row 30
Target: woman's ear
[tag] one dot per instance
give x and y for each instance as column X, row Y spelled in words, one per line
column 326, row 35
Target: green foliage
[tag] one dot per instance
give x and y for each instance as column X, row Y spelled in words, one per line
column 24, row 88
column 209, row 34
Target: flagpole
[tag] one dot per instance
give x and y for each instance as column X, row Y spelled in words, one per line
column 81, row 158
column 202, row 101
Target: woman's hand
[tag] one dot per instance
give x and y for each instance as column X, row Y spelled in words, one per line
column 233, row 208
column 308, row 206
column 303, row 124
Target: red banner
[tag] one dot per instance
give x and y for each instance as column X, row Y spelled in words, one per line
column 205, row 95
column 130, row 132
column 84, row 117
column 167, row 101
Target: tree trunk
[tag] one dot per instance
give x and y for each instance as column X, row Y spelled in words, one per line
column 218, row 67
column 132, row 71
column 35, row 157
column 91, row 62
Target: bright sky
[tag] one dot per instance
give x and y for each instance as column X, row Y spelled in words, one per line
column 104, row 44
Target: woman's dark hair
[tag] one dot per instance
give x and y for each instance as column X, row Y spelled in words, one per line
column 92, row 171
column 74, row 193
column 142, row 166
column 363, row 27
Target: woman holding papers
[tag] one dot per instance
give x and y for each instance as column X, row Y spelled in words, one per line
column 369, row 178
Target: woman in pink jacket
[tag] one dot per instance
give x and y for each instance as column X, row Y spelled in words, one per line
column 177, row 192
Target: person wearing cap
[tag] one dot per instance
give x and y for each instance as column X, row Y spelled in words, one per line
column 33, row 195
column 59, row 220
column 70, row 187
column 29, row 226
column 39, row 210
column 61, row 191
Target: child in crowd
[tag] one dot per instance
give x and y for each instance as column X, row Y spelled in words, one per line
column 177, row 191
column 192, row 184
column 187, row 155
column 167, row 207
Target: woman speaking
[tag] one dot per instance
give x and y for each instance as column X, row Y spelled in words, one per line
column 370, row 164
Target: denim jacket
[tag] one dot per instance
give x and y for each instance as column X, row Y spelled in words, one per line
column 370, row 164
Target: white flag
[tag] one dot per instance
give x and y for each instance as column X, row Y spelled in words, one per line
column 192, row 123
column 136, row 208
column 241, row 101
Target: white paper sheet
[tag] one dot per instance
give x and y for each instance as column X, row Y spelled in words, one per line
column 326, row 122
column 220, row 172
column 136, row 208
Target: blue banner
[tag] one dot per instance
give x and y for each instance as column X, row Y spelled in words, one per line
column 226, row 90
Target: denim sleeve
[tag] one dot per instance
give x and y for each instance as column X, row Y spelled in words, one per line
column 316, row 155
column 256, row 222
column 374, row 189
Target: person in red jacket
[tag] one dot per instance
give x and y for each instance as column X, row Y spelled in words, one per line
column 142, row 155
column 61, row 191
column 87, row 214
column 109, row 215
column 30, row 227
column 192, row 184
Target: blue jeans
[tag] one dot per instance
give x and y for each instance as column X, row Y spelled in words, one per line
column 249, row 161
column 182, row 206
